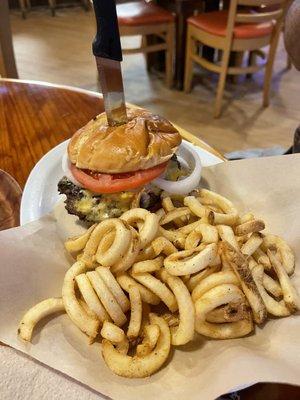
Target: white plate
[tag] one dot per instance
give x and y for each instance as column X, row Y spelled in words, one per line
column 40, row 193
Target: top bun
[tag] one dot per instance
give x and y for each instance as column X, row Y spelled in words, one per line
column 145, row 141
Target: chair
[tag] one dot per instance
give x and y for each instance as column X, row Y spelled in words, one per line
column 142, row 18
column 237, row 30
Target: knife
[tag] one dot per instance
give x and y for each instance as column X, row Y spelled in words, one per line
column 108, row 54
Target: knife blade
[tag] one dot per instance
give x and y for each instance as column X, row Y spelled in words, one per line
column 108, row 54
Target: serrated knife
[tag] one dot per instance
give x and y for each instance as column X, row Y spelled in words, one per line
column 108, row 54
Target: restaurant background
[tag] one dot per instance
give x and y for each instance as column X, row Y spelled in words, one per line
column 58, row 50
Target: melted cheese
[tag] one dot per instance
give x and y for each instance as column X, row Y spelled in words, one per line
column 84, row 205
column 105, row 206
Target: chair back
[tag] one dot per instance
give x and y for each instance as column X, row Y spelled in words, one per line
column 262, row 11
column 255, row 11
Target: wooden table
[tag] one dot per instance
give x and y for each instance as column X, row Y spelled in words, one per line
column 35, row 117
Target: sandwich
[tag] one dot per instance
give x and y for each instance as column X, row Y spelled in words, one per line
column 109, row 170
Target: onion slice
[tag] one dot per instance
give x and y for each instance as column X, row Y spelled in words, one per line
column 67, row 171
column 188, row 183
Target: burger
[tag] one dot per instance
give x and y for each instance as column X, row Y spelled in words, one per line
column 110, row 169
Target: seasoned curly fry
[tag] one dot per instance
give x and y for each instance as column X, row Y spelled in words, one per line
column 135, row 366
column 242, row 270
column 90, row 297
column 230, row 215
column 168, row 205
column 77, row 314
column 184, row 332
column 148, row 265
column 125, row 281
column 161, row 245
column 213, row 280
column 135, row 313
column 149, row 227
column 276, row 308
column 36, row 313
column 78, row 243
column 130, row 256
column 151, row 335
column 290, row 295
column 287, row 257
column 159, row 288
column 190, row 261
column 250, row 226
column 214, row 298
column 252, row 244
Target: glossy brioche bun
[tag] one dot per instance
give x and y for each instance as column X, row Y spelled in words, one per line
column 145, row 141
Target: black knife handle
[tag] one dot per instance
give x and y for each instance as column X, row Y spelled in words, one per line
column 107, row 40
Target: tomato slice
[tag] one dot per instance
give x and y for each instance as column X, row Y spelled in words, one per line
column 114, row 183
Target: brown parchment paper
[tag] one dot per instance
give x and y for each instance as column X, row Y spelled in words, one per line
column 33, row 264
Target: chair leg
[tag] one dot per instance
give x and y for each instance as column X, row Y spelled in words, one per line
column 251, row 62
column 170, row 40
column 221, row 82
column 269, row 66
column 86, row 5
column 145, row 43
column 52, row 4
column 22, row 5
column 288, row 62
column 3, row 73
column 189, row 64
column 238, row 62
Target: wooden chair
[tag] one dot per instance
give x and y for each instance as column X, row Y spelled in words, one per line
column 142, row 18
column 234, row 30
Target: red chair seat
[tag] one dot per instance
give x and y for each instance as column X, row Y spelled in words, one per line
column 142, row 13
column 216, row 23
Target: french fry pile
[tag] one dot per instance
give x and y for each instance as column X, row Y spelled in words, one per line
column 146, row 281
